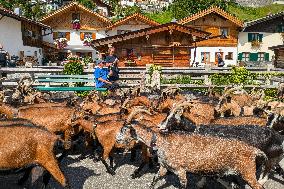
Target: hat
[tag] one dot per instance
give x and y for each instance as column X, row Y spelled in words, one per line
column 99, row 61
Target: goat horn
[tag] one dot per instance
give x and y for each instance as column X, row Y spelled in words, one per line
column 135, row 112
column 227, row 92
column 183, row 104
column 125, row 102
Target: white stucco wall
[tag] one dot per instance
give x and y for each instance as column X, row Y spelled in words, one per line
column 269, row 40
column 127, row 27
column 212, row 51
column 11, row 39
column 76, row 45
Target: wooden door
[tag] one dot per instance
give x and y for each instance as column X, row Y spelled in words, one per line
column 216, row 57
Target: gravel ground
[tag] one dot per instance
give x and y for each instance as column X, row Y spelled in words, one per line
column 85, row 173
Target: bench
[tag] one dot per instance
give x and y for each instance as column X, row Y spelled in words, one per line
column 60, row 79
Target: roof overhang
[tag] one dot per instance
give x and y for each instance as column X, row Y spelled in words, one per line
column 75, row 5
column 215, row 10
column 11, row 14
column 200, row 35
column 264, row 19
column 276, row 47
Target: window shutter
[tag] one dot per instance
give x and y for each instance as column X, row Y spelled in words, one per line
column 260, row 37
column 240, row 57
column 82, row 36
column 68, row 36
column 249, row 37
column 55, row 35
column 253, row 56
column 94, row 36
column 279, row 29
column 266, row 57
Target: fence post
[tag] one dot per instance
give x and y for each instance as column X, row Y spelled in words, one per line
column 148, row 77
column 268, row 78
column 207, row 80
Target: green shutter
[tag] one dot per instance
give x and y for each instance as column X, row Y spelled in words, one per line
column 240, row 56
column 249, row 37
column 279, row 29
column 266, row 56
column 253, row 57
column 260, row 37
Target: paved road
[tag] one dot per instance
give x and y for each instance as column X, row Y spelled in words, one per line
column 84, row 173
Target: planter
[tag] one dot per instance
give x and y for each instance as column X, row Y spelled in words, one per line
column 76, row 25
column 61, row 43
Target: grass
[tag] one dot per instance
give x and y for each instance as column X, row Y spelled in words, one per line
column 243, row 13
column 249, row 13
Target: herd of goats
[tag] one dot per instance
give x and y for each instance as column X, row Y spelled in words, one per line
column 235, row 133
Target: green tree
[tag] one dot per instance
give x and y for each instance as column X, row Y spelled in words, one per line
column 184, row 8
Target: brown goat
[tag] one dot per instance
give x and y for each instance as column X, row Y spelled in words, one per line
column 26, row 145
column 201, row 154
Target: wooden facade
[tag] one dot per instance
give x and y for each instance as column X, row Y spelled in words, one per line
column 218, row 22
column 279, row 56
column 62, row 18
column 31, row 34
column 166, row 45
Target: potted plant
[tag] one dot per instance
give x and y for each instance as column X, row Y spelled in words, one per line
column 76, row 24
column 255, row 44
column 87, row 41
column 61, row 43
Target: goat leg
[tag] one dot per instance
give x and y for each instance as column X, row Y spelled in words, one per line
column 182, row 178
column 108, row 168
column 25, row 177
column 50, row 164
column 161, row 173
column 137, row 173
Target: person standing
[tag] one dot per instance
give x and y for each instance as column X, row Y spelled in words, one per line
column 112, row 63
column 220, row 60
column 3, row 56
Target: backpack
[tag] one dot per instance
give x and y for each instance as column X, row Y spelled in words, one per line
column 3, row 57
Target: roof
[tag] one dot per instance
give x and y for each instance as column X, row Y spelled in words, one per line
column 263, row 19
column 74, row 5
column 136, row 16
column 276, row 47
column 149, row 31
column 213, row 9
column 11, row 14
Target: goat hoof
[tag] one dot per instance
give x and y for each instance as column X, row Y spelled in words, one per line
column 135, row 175
column 112, row 172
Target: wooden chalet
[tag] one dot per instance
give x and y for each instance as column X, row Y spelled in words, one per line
column 224, row 40
column 91, row 25
column 279, row 55
column 166, row 45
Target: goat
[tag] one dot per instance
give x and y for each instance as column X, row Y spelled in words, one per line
column 200, row 154
column 267, row 140
column 23, row 146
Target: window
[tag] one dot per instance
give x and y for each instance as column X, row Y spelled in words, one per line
column 205, row 57
column 61, row 34
column 224, row 32
column 255, row 37
column 122, row 31
column 280, row 28
column 245, row 56
column 229, row 56
column 87, row 35
column 261, row 56
column 75, row 16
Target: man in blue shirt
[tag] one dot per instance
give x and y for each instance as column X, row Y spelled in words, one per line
column 101, row 76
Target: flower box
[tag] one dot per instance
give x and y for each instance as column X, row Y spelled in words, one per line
column 87, row 42
column 76, row 24
column 255, row 44
column 61, row 43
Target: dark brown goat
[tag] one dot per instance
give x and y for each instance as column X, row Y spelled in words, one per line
column 22, row 146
